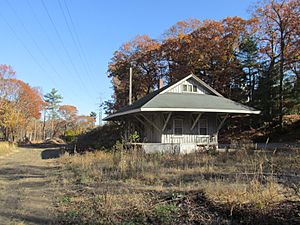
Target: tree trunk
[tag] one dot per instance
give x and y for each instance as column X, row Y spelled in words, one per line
column 281, row 75
column 44, row 126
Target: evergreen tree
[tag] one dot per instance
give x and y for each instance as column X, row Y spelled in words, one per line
column 53, row 100
column 93, row 115
column 248, row 56
column 266, row 95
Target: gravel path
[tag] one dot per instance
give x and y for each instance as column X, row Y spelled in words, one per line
column 28, row 187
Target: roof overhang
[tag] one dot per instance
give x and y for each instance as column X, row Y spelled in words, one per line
column 181, row 110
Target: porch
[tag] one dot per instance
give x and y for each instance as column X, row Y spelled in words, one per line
column 173, row 130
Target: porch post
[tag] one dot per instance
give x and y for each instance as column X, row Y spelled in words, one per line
column 196, row 120
column 167, row 121
column 150, row 122
column 221, row 124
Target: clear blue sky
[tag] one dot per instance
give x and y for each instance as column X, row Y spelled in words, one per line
column 48, row 56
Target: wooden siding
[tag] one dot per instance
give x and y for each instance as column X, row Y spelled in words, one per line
column 178, row 88
column 152, row 135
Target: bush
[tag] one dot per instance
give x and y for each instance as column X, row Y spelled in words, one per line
column 70, row 135
column 166, row 213
column 102, row 137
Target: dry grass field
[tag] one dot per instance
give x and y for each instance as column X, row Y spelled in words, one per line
column 6, row 148
column 243, row 187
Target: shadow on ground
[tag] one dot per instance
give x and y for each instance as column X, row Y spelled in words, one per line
column 42, row 145
column 52, row 153
column 24, row 172
column 26, row 218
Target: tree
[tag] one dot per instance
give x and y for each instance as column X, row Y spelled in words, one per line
column 84, row 123
column 68, row 114
column 140, row 54
column 279, row 35
column 6, row 73
column 93, row 115
column 53, row 99
column 207, row 49
column 254, row 61
column 248, row 56
column 20, row 106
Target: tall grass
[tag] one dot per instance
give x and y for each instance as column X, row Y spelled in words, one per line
column 6, row 147
column 136, row 185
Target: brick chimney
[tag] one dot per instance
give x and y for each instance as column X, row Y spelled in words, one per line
column 161, row 83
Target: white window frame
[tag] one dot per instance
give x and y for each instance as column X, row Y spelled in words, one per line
column 174, row 122
column 190, row 88
column 206, row 126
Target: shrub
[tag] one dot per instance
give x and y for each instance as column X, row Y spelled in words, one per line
column 166, row 213
column 102, row 137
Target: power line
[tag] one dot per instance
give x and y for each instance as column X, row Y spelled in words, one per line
column 52, row 44
column 78, row 39
column 74, row 40
column 25, row 47
column 35, row 43
column 49, row 40
column 64, row 47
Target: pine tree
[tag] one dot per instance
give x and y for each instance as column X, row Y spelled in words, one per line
column 53, row 99
column 248, row 56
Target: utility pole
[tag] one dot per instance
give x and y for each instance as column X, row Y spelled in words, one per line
column 130, row 86
column 100, row 111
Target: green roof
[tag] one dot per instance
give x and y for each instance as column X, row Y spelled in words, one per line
column 164, row 101
column 194, row 101
column 168, row 102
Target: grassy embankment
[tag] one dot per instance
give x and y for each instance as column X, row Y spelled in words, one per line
column 246, row 187
column 6, row 148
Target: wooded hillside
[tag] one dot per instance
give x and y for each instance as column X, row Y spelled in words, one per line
column 254, row 61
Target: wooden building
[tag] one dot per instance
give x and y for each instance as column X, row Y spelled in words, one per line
column 181, row 117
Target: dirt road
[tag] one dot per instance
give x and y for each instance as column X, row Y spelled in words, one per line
column 28, row 187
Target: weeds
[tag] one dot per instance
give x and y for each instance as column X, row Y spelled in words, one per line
column 6, row 147
column 137, row 188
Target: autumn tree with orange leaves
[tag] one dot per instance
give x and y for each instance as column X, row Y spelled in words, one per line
column 140, row 53
column 20, row 104
column 279, row 35
column 20, row 112
column 254, row 61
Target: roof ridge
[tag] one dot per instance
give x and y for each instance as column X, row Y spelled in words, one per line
column 200, row 81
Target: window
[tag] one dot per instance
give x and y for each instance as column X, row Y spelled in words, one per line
column 194, row 88
column 202, row 125
column 178, row 126
column 189, row 88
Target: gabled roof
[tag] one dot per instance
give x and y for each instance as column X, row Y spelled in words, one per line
column 201, row 82
column 163, row 101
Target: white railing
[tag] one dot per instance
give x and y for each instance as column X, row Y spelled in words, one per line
column 206, row 139
column 196, row 139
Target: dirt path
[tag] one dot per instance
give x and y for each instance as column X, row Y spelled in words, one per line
column 28, row 187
